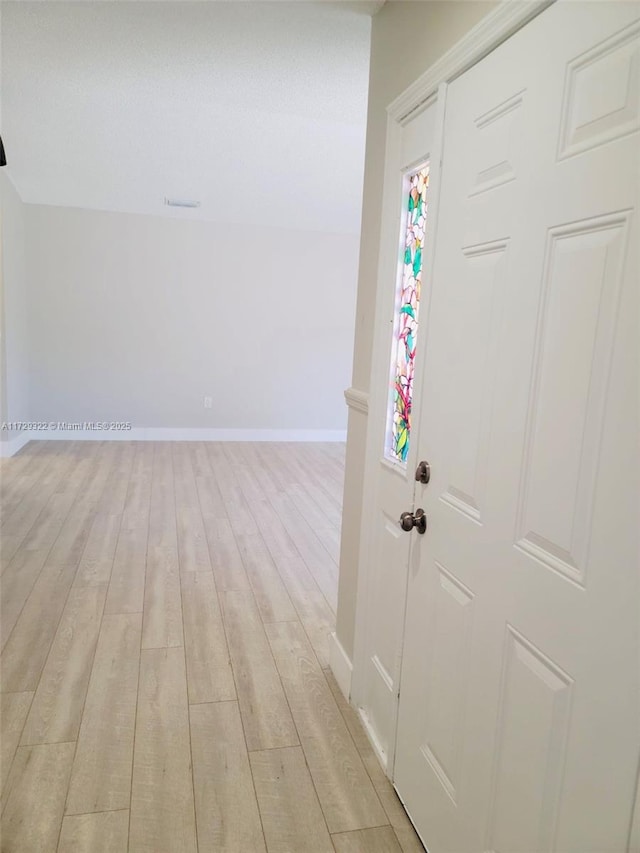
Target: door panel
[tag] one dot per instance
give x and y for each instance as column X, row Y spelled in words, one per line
column 531, row 743
column 476, row 299
column 520, row 695
column 447, row 669
column 497, row 145
column 601, row 93
column 377, row 674
column 580, row 291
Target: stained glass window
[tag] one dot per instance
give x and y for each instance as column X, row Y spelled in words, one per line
column 406, row 318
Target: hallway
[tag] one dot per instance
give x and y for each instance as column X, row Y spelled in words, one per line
column 164, row 672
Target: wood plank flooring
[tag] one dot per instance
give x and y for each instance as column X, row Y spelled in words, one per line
column 164, row 685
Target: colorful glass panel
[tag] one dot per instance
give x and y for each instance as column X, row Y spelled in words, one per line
column 406, row 321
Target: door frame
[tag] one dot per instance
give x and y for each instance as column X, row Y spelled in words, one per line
column 429, row 88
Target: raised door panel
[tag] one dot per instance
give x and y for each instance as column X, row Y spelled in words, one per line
column 530, row 749
column 477, row 297
column 448, row 655
column 498, row 144
column 580, row 295
column 602, row 93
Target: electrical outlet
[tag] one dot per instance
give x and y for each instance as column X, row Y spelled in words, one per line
column 207, row 402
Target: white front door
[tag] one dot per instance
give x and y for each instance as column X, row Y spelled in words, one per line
column 519, row 717
column 406, row 252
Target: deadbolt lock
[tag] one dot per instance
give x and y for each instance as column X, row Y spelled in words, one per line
column 423, row 473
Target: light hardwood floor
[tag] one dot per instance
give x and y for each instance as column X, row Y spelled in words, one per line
column 165, row 611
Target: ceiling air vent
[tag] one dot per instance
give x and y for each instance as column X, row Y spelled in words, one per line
column 181, row 202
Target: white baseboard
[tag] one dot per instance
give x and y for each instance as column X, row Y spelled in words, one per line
column 11, row 447
column 189, row 434
column 340, row 665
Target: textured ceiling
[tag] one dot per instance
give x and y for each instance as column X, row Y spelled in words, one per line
column 257, row 110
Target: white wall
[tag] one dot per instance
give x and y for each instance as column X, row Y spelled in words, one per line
column 435, row 26
column 14, row 374
column 138, row 311
column 136, row 318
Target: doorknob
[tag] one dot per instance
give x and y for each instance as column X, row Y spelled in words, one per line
column 423, row 472
column 409, row 520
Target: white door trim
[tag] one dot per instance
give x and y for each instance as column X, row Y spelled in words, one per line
column 358, row 400
column 498, row 26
